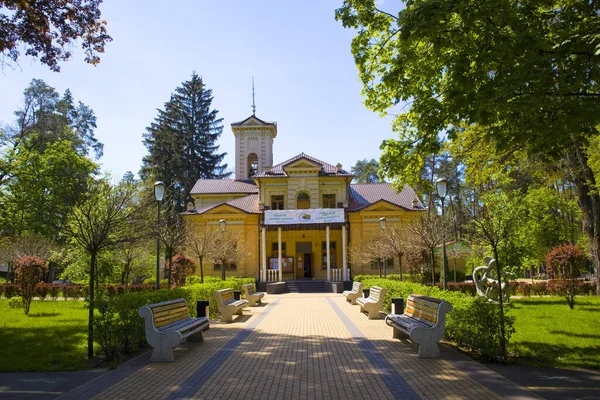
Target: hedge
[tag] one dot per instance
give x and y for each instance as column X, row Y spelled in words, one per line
column 473, row 323
column 119, row 329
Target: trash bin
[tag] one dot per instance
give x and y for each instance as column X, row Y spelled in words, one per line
column 397, row 305
column 366, row 293
column 237, row 294
column 202, row 308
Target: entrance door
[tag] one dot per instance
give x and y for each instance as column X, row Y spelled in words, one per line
column 303, row 260
column 307, row 265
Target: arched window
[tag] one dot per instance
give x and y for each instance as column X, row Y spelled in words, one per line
column 302, row 201
column 252, row 164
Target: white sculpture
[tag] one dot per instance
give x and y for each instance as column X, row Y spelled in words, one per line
column 486, row 282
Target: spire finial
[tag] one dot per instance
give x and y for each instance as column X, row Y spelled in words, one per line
column 253, row 103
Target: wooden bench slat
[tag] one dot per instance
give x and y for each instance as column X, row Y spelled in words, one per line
column 421, row 315
column 158, row 309
column 170, row 312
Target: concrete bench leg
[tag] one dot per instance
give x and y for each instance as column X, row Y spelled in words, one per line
column 253, row 303
column 196, row 337
column 162, row 354
column 226, row 318
column 398, row 334
column 239, row 312
column 429, row 350
column 374, row 315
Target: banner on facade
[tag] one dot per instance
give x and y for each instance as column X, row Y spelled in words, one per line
column 310, row 216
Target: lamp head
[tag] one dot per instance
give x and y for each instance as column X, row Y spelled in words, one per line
column 440, row 186
column 382, row 222
column 222, row 224
column 159, row 191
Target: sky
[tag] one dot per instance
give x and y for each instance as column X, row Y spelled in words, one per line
column 299, row 55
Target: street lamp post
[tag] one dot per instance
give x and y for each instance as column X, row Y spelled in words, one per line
column 440, row 186
column 382, row 222
column 159, row 193
column 222, row 226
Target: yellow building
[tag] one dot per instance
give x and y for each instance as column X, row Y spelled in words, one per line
column 301, row 214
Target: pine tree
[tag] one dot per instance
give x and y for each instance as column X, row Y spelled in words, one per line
column 182, row 142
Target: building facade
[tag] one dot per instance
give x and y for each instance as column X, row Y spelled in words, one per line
column 297, row 218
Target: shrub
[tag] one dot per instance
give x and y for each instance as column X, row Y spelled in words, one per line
column 11, row 291
column 477, row 327
column 181, row 267
column 15, row 302
column 42, row 290
column 54, row 291
column 566, row 262
column 152, row 281
column 30, row 272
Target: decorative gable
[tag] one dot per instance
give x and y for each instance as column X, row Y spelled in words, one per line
column 382, row 205
column 302, row 166
column 252, row 121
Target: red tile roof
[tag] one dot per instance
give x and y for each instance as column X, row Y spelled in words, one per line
column 248, row 204
column 363, row 195
column 217, row 186
column 326, row 169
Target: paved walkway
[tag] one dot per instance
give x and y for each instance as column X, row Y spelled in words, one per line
column 301, row 346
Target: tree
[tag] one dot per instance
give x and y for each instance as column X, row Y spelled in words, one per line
column 30, row 272
column 229, row 248
column 366, row 171
column 527, row 74
column 48, row 28
column 427, row 233
column 17, row 247
column 181, row 267
column 181, row 143
column 44, row 119
column 44, row 187
column 394, row 241
column 201, row 243
column 97, row 223
column 566, row 262
column 370, row 249
column 172, row 232
column 493, row 224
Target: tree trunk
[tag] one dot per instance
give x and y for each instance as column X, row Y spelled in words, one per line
column 500, row 300
column 201, row 271
column 433, row 267
column 589, row 202
column 400, row 264
column 90, row 351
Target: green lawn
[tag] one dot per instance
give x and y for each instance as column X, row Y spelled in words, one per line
column 551, row 334
column 52, row 338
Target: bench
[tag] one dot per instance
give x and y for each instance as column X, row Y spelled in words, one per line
column 352, row 295
column 252, row 295
column 228, row 305
column 423, row 322
column 168, row 324
column 372, row 304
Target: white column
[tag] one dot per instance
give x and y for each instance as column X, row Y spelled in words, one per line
column 328, row 254
column 264, row 253
column 279, row 260
column 344, row 258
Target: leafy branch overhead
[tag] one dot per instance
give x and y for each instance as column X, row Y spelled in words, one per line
column 47, row 29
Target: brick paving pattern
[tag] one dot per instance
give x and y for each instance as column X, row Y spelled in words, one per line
column 294, row 346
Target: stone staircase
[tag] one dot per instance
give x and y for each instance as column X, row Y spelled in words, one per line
column 306, row 286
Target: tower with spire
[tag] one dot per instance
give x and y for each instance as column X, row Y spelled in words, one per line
column 253, row 144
